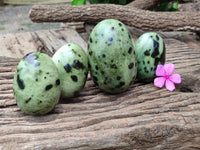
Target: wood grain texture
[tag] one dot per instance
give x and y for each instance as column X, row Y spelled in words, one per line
column 143, row 117
column 142, row 19
column 19, row 44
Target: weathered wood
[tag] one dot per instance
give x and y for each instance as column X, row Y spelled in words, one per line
column 142, row 19
column 17, row 45
column 143, row 117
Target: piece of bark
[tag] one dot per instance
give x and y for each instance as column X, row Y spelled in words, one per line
column 143, row 117
column 142, row 19
column 78, row 26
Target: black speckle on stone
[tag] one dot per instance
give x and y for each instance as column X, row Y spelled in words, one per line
column 90, row 40
column 40, row 102
column 47, row 73
column 104, row 83
column 109, row 44
column 134, row 52
column 102, row 72
column 89, row 66
column 120, row 85
column 120, row 24
column 148, row 62
column 138, row 62
column 95, row 78
column 145, row 69
column 122, row 29
column 18, row 70
column 151, row 68
column 74, row 78
column 20, row 83
column 112, row 28
column 157, row 37
column 58, row 82
column 151, row 36
column 79, row 55
column 105, row 63
column 103, row 55
column 96, row 72
column 112, row 60
column 123, row 54
column 110, row 39
column 90, row 53
column 146, row 53
column 130, row 66
column 113, row 66
column 155, row 49
column 130, row 50
column 88, row 46
column 118, row 78
column 28, row 100
column 67, row 68
column 45, row 77
column 69, row 44
column 37, row 64
column 144, row 62
column 106, row 78
column 36, row 79
column 48, row 87
column 157, row 60
column 77, row 64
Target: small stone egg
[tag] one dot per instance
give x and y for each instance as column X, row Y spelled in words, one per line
column 36, row 84
column 72, row 63
column 111, row 56
column 150, row 51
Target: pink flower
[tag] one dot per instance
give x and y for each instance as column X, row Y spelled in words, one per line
column 166, row 77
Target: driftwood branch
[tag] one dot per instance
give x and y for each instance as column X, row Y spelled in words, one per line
column 145, row 20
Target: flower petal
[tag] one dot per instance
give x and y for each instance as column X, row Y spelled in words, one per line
column 169, row 68
column 159, row 82
column 169, row 85
column 160, row 70
column 176, row 78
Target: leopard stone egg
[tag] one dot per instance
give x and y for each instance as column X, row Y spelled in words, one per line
column 150, row 51
column 111, row 56
column 36, row 84
column 72, row 63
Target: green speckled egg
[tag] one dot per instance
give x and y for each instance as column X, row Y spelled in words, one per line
column 36, row 84
column 111, row 56
column 72, row 63
column 150, row 51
